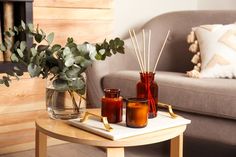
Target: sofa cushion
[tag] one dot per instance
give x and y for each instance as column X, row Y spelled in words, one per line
column 217, row 50
column 215, row 97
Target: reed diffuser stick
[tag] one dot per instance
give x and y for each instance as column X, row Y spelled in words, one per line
column 139, row 52
column 149, row 47
column 144, row 49
column 136, row 53
column 163, row 45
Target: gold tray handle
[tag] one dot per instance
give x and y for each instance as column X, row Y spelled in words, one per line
column 103, row 120
column 169, row 107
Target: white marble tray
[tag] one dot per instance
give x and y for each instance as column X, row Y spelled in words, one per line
column 162, row 121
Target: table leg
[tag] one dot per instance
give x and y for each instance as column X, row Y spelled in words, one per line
column 176, row 146
column 115, row 152
column 40, row 144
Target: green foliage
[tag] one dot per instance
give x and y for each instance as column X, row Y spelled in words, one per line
column 66, row 64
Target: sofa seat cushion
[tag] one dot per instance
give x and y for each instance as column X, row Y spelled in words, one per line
column 214, row 97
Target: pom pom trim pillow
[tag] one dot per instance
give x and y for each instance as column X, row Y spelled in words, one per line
column 215, row 48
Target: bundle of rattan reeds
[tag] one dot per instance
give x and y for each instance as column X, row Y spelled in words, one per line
column 144, row 60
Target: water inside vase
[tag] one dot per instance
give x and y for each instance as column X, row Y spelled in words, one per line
column 60, row 104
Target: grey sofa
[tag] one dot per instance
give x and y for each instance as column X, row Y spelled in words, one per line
column 209, row 103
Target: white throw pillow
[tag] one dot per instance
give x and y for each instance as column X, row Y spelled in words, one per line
column 217, row 44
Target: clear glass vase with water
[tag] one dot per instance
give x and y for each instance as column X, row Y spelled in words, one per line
column 66, row 104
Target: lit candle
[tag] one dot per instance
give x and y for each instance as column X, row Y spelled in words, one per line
column 136, row 113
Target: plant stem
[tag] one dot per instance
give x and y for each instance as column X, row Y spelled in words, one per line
column 71, row 92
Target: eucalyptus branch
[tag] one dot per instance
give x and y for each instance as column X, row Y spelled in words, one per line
column 65, row 63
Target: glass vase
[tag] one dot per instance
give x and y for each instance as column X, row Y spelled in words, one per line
column 64, row 104
column 112, row 105
column 147, row 88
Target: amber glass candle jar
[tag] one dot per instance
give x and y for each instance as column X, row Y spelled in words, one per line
column 112, row 105
column 136, row 112
column 147, row 89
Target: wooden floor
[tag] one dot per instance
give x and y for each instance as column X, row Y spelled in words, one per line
column 192, row 148
column 77, row 150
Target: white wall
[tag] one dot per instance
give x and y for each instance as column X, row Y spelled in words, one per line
column 217, row 4
column 134, row 13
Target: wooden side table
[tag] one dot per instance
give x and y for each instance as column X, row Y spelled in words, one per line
column 60, row 130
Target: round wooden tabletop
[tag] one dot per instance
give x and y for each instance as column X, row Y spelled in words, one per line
column 61, row 130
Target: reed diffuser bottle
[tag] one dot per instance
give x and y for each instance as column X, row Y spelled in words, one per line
column 147, row 88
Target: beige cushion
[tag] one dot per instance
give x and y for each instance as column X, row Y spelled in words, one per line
column 217, row 44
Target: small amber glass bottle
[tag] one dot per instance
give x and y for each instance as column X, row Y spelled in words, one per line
column 147, row 89
column 112, row 105
column 136, row 112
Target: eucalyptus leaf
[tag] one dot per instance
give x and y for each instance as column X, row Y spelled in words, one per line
column 50, row 38
column 69, row 62
column 108, row 53
column 31, row 27
column 70, row 45
column 8, row 43
column 14, row 58
column 11, row 33
column 66, row 51
column 82, row 48
column 54, row 70
column 42, row 47
column 73, row 73
column 7, row 33
column 121, row 50
column 86, row 63
column 1, row 81
column 22, row 45
column 79, row 59
column 16, row 45
column 64, row 77
column 6, row 80
column 2, row 47
column 60, row 85
column 56, row 47
column 93, row 55
column 11, row 73
column 70, row 40
column 23, row 24
column 34, row 70
column 77, row 84
column 18, row 71
column 20, row 53
column 16, row 30
column 38, row 38
column 33, row 51
column 36, row 60
column 16, row 68
column 102, row 51
column 98, row 56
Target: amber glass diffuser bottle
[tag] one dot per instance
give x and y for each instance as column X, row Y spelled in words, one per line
column 112, row 105
column 147, row 89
